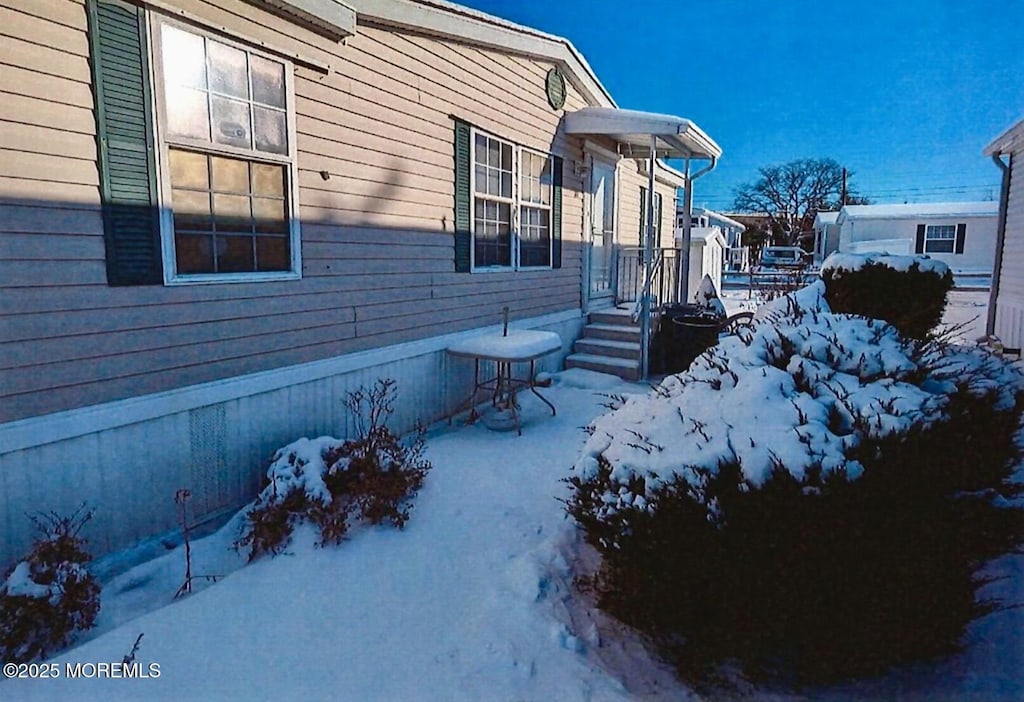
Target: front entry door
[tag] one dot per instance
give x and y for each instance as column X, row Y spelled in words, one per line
column 602, row 232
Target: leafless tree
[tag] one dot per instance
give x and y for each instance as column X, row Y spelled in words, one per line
column 791, row 193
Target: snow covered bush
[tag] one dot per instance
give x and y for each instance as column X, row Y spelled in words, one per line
column 909, row 292
column 813, row 498
column 50, row 595
column 326, row 480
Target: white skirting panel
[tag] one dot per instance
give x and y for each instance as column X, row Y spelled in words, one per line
column 128, row 458
column 1010, row 321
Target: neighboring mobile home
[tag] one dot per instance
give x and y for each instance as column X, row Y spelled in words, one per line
column 960, row 234
column 707, row 254
column 219, row 216
column 1006, row 301
column 826, row 235
column 736, row 256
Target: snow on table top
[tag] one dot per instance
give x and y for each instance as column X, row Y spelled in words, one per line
column 519, row 345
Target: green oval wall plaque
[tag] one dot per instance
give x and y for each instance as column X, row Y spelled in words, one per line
column 555, row 85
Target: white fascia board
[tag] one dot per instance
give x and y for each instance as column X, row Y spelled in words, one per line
column 333, row 18
column 722, row 218
column 1005, row 142
column 670, row 176
column 663, row 173
column 451, row 21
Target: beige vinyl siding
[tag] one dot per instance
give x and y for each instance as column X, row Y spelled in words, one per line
column 377, row 244
column 47, row 130
column 631, row 179
column 1009, row 322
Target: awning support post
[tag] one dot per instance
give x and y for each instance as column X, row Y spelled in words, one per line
column 645, row 301
column 683, row 257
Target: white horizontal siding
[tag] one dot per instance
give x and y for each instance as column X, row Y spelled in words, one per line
column 1009, row 318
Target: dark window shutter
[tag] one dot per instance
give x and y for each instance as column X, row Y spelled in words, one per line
column 463, row 197
column 657, row 218
column 556, row 212
column 124, row 134
column 643, row 216
column 919, row 246
column 961, row 234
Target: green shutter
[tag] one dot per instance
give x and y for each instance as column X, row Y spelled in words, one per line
column 643, row 217
column 463, row 223
column 657, row 219
column 961, row 236
column 124, row 134
column 919, row 243
column 556, row 212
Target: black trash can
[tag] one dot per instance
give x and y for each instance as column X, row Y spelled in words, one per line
column 686, row 331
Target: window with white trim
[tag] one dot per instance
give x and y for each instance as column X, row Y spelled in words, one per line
column 511, row 205
column 939, row 238
column 535, row 210
column 228, row 177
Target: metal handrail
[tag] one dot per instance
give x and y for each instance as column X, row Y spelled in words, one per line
column 633, row 283
column 659, row 258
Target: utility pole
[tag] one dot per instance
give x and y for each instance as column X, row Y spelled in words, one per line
column 842, row 201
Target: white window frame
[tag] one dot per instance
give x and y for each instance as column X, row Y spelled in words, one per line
column 929, row 238
column 164, row 143
column 549, row 208
column 515, row 202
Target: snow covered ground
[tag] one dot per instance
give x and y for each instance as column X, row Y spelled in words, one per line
column 468, row 603
column 473, row 601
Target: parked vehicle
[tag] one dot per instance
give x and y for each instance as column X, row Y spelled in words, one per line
column 783, row 257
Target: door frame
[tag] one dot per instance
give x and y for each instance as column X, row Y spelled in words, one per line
column 594, row 154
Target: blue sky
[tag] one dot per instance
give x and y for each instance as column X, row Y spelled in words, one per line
column 906, row 94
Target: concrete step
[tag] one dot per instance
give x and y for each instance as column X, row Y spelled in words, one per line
column 604, row 347
column 612, row 332
column 613, row 316
column 623, row 368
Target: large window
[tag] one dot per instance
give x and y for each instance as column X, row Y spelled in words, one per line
column 535, row 210
column 228, row 160
column 939, row 238
column 512, row 205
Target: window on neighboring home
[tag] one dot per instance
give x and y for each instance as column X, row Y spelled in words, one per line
column 939, row 238
column 198, row 172
column 512, row 198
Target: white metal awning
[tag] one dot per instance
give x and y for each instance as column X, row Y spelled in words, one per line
column 634, row 131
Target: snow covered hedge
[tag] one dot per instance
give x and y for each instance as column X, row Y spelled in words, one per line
column 813, row 496
column 50, row 596
column 909, row 292
column 327, row 481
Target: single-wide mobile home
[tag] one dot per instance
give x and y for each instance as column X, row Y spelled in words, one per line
column 960, row 234
column 219, row 216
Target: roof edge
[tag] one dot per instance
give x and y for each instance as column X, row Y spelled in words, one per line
column 334, row 19
column 1006, row 141
column 449, row 20
column 847, row 214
